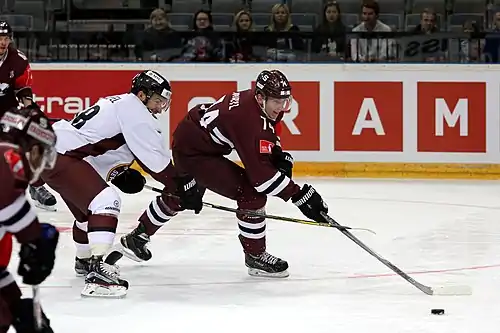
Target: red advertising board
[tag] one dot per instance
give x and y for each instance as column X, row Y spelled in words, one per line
column 367, row 115
column 82, row 88
column 452, row 117
column 62, row 93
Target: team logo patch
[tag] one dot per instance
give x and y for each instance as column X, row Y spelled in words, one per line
column 265, row 146
column 15, row 162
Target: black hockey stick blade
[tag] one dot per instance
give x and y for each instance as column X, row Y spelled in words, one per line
column 273, row 217
column 453, row 290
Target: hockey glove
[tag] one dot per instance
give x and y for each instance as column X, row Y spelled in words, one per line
column 37, row 258
column 282, row 161
column 130, row 181
column 189, row 193
column 24, row 321
column 310, row 203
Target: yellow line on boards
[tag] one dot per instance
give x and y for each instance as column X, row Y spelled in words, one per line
column 393, row 170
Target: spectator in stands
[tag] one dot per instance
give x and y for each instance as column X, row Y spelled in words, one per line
column 373, row 49
column 202, row 21
column 491, row 48
column 241, row 47
column 158, row 41
column 281, row 49
column 421, row 48
column 331, row 38
column 206, row 47
column 496, row 21
column 428, row 22
column 470, row 49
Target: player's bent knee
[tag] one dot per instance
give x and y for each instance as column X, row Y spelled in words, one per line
column 108, row 202
column 251, row 200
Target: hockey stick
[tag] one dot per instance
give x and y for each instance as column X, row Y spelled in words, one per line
column 273, row 217
column 445, row 290
column 37, row 308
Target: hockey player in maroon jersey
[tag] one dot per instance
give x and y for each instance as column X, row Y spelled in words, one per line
column 15, row 87
column 26, row 149
column 242, row 121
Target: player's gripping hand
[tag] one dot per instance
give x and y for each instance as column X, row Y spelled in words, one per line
column 37, row 258
column 282, row 160
column 130, row 181
column 189, row 193
column 310, row 203
column 24, row 321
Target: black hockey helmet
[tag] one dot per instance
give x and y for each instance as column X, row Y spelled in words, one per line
column 28, row 127
column 6, row 29
column 152, row 82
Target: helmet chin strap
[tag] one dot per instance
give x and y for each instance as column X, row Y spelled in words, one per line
column 145, row 102
column 263, row 106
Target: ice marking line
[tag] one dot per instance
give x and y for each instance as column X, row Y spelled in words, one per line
column 288, row 280
column 421, row 202
column 434, row 271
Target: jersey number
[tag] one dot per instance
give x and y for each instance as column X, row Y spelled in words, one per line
column 85, row 116
column 209, row 117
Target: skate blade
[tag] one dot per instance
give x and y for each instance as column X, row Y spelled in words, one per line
column 260, row 273
column 92, row 290
column 127, row 252
column 81, row 274
column 44, row 207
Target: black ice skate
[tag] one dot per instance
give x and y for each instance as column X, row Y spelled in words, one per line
column 42, row 198
column 134, row 244
column 82, row 265
column 266, row 265
column 103, row 281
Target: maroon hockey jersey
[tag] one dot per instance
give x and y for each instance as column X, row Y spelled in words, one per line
column 15, row 75
column 16, row 214
column 236, row 122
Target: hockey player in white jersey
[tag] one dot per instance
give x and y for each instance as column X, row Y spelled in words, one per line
column 97, row 147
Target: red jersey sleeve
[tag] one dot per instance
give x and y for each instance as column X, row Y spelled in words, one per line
column 278, row 128
column 17, row 216
column 25, row 80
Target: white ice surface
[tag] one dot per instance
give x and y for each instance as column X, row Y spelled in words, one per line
column 197, row 281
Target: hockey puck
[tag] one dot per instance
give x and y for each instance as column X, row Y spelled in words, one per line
column 437, row 311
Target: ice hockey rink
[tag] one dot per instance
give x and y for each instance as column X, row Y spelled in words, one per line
column 443, row 232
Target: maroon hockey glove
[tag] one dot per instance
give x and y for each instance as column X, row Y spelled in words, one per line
column 310, row 203
column 282, row 161
column 37, row 258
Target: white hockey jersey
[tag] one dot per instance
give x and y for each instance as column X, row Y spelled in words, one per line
column 112, row 133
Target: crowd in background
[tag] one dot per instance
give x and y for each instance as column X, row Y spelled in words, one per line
column 330, row 41
column 336, row 37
